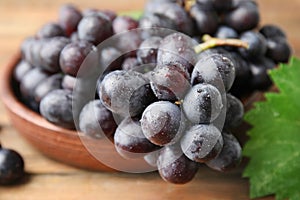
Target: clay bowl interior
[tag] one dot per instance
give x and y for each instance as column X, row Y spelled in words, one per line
column 63, row 145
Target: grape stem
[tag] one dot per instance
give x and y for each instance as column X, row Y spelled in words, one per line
column 211, row 42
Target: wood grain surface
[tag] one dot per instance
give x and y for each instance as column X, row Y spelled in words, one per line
column 48, row 179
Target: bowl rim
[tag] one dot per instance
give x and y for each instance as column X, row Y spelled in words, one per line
column 14, row 105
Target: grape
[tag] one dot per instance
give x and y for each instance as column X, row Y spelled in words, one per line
column 117, row 87
column 226, row 32
column 50, row 53
column 56, row 107
column 223, row 5
column 73, row 55
column 51, row 83
column 202, row 143
column 272, row 31
column 130, row 141
column 139, row 100
column 112, row 15
column 50, row 30
column 11, row 166
column 202, row 104
column 130, row 63
column 279, row 50
column 147, row 52
column 244, row 17
column 229, row 157
column 206, row 20
column 96, row 121
column 177, row 48
column 234, row 111
column 170, row 82
column 69, row 18
column 68, row 82
column 21, row 69
column 111, row 59
column 215, row 69
column 124, row 23
column 257, row 45
column 95, row 28
column 174, row 166
column 35, row 52
column 161, row 123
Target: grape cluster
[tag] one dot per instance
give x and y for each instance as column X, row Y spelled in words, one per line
column 168, row 99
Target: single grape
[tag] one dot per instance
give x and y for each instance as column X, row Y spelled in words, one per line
column 234, row 111
column 50, row 30
column 68, row 82
column 170, row 81
column 95, row 28
column 244, row 17
column 111, row 59
column 206, row 20
column 51, row 83
column 117, row 88
column 56, row 107
column 229, row 157
column 223, row 5
column 35, row 52
column 96, row 121
column 124, row 23
column 130, row 63
column 73, row 55
column 161, row 123
column 215, row 69
column 202, row 104
column 177, row 48
column 174, row 166
column 257, row 45
column 130, row 141
column 11, row 166
column 147, row 51
column 69, row 18
column 279, row 50
column 112, row 15
column 50, row 53
column 21, row 69
column 272, row 31
column 202, row 143
column 226, row 32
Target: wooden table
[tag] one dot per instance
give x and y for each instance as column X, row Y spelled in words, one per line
column 49, row 179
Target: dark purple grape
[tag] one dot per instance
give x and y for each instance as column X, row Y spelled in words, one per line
column 244, row 17
column 29, row 83
column 96, row 121
column 50, row 30
column 147, row 52
column 257, row 45
column 117, row 88
column 21, row 69
column 202, row 143
column 51, row 83
column 234, row 112
column 35, row 51
column 95, row 28
column 206, row 20
column 226, row 32
column 11, row 166
column 170, row 81
column 73, row 55
column 50, row 53
column 56, row 107
column 68, row 82
column 124, row 23
column 215, row 69
column 111, row 59
column 175, row 167
column 278, row 50
column 272, row 31
column 202, row 104
column 223, row 5
column 161, row 123
column 230, row 156
column 69, row 18
column 130, row 63
column 130, row 141
column 177, row 48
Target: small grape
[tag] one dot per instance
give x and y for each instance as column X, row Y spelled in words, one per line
column 272, row 31
column 226, row 32
column 21, row 69
column 69, row 18
column 174, row 166
column 279, row 50
column 124, row 23
column 68, row 82
column 234, row 111
column 161, row 123
column 202, row 104
column 147, row 52
column 257, row 45
column 130, row 63
column 50, row 30
column 229, row 157
column 202, row 143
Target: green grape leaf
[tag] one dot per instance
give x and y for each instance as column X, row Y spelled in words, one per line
column 274, row 144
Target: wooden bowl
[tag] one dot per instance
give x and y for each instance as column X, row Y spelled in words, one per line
column 63, row 145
